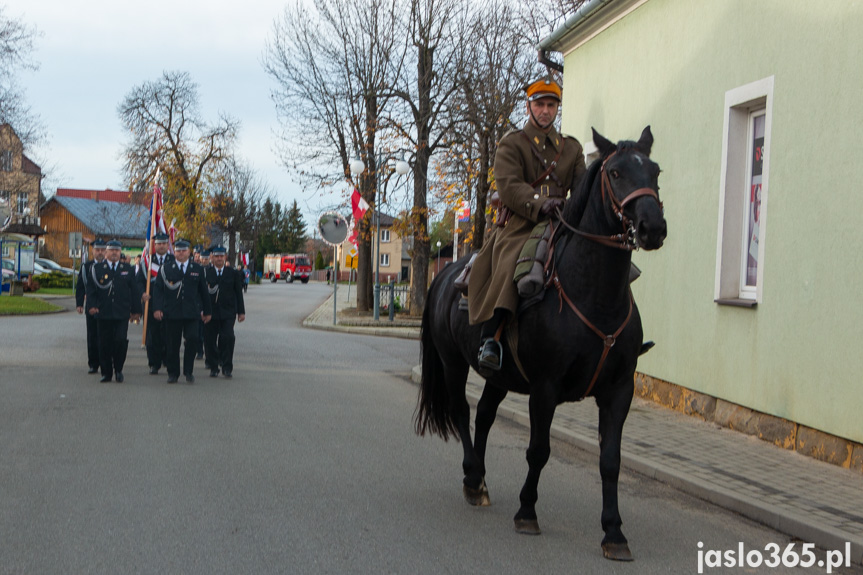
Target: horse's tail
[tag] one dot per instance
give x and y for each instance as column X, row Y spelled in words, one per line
column 433, row 413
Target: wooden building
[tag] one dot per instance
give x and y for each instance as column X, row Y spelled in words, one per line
column 93, row 218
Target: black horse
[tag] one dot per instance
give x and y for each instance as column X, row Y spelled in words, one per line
column 582, row 339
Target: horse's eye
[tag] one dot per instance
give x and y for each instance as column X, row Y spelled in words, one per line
column 615, row 174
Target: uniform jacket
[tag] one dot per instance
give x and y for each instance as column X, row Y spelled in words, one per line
column 226, row 292
column 180, row 296
column 114, row 293
column 83, row 281
column 515, row 169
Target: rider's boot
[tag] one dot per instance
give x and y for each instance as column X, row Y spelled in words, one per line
column 491, row 351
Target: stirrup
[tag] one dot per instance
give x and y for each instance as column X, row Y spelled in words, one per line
column 488, row 362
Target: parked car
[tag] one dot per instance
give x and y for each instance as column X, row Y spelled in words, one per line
column 9, row 270
column 51, row 265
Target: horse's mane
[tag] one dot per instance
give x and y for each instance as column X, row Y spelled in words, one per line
column 577, row 203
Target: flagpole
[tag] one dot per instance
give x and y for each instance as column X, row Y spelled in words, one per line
column 150, row 248
column 455, row 235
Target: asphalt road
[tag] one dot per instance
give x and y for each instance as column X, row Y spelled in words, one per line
column 304, row 462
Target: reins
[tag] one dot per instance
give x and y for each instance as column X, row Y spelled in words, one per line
column 623, row 241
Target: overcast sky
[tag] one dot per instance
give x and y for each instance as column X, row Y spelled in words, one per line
column 93, row 52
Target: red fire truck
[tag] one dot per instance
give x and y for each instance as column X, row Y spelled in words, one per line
column 287, row 267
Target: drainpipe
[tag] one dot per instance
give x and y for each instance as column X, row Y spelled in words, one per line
column 582, row 13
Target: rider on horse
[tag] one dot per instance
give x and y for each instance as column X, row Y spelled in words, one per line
column 534, row 169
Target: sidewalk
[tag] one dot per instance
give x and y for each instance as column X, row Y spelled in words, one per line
column 814, row 501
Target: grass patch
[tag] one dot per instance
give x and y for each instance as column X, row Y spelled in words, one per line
column 55, row 291
column 25, row 305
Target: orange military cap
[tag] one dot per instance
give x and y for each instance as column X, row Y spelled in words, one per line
column 544, row 87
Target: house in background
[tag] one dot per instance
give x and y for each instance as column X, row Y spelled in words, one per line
column 20, row 188
column 93, row 218
column 754, row 304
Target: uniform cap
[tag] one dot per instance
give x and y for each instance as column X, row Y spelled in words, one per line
column 205, row 254
column 544, row 87
column 219, row 250
column 182, row 244
column 99, row 243
column 160, row 238
column 114, row 244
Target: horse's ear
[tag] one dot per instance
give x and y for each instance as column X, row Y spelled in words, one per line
column 645, row 142
column 604, row 146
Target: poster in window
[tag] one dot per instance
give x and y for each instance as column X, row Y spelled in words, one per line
column 753, row 203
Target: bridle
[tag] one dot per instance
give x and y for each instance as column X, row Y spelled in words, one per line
column 625, row 241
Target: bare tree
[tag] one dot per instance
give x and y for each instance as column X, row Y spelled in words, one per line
column 235, row 193
column 16, row 48
column 332, row 66
column 437, row 45
column 168, row 134
column 499, row 67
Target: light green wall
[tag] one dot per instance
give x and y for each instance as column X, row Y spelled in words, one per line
column 669, row 63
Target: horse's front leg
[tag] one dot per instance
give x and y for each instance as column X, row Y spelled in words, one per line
column 542, row 406
column 475, row 489
column 612, row 415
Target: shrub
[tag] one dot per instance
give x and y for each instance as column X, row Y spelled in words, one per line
column 54, row 280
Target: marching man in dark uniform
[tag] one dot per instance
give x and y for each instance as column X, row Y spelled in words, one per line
column 534, row 168
column 155, row 329
column 225, row 285
column 80, row 293
column 113, row 298
column 181, row 300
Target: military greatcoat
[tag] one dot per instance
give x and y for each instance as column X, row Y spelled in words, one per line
column 516, row 167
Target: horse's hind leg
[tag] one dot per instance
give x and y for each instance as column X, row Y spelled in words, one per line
column 475, row 489
column 456, row 378
column 611, row 418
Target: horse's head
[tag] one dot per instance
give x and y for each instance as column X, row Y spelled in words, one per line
column 630, row 188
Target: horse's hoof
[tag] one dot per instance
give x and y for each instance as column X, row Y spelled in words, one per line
column 477, row 497
column 617, row 551
column 527, row 527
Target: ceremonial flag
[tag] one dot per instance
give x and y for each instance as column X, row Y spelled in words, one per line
column 172, row 235
column 245, row 258
column 463, row 212
column 154, row 226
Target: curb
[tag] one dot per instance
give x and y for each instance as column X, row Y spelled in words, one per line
column 402, row 333
column 790, row 524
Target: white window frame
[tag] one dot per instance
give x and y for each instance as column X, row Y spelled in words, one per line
column 23, row 200
column 734, row 184
column 385, row 236
column 385, row 260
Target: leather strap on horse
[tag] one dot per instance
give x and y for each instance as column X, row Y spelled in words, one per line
column 608, row 340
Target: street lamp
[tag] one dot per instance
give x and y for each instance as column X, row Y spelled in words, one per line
column 438, row 257
column 358, row 167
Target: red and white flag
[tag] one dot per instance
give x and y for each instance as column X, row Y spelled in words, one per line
column 359, row 207
column 155, row 226
column 245, row 258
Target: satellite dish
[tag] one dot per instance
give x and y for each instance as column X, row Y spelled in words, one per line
column 333, row 227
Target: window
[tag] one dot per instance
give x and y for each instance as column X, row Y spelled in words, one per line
column 385, row 260
column 6, row 160
column 4, row 197
column 22, row 203
column 385, row 236
column 743, row 194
